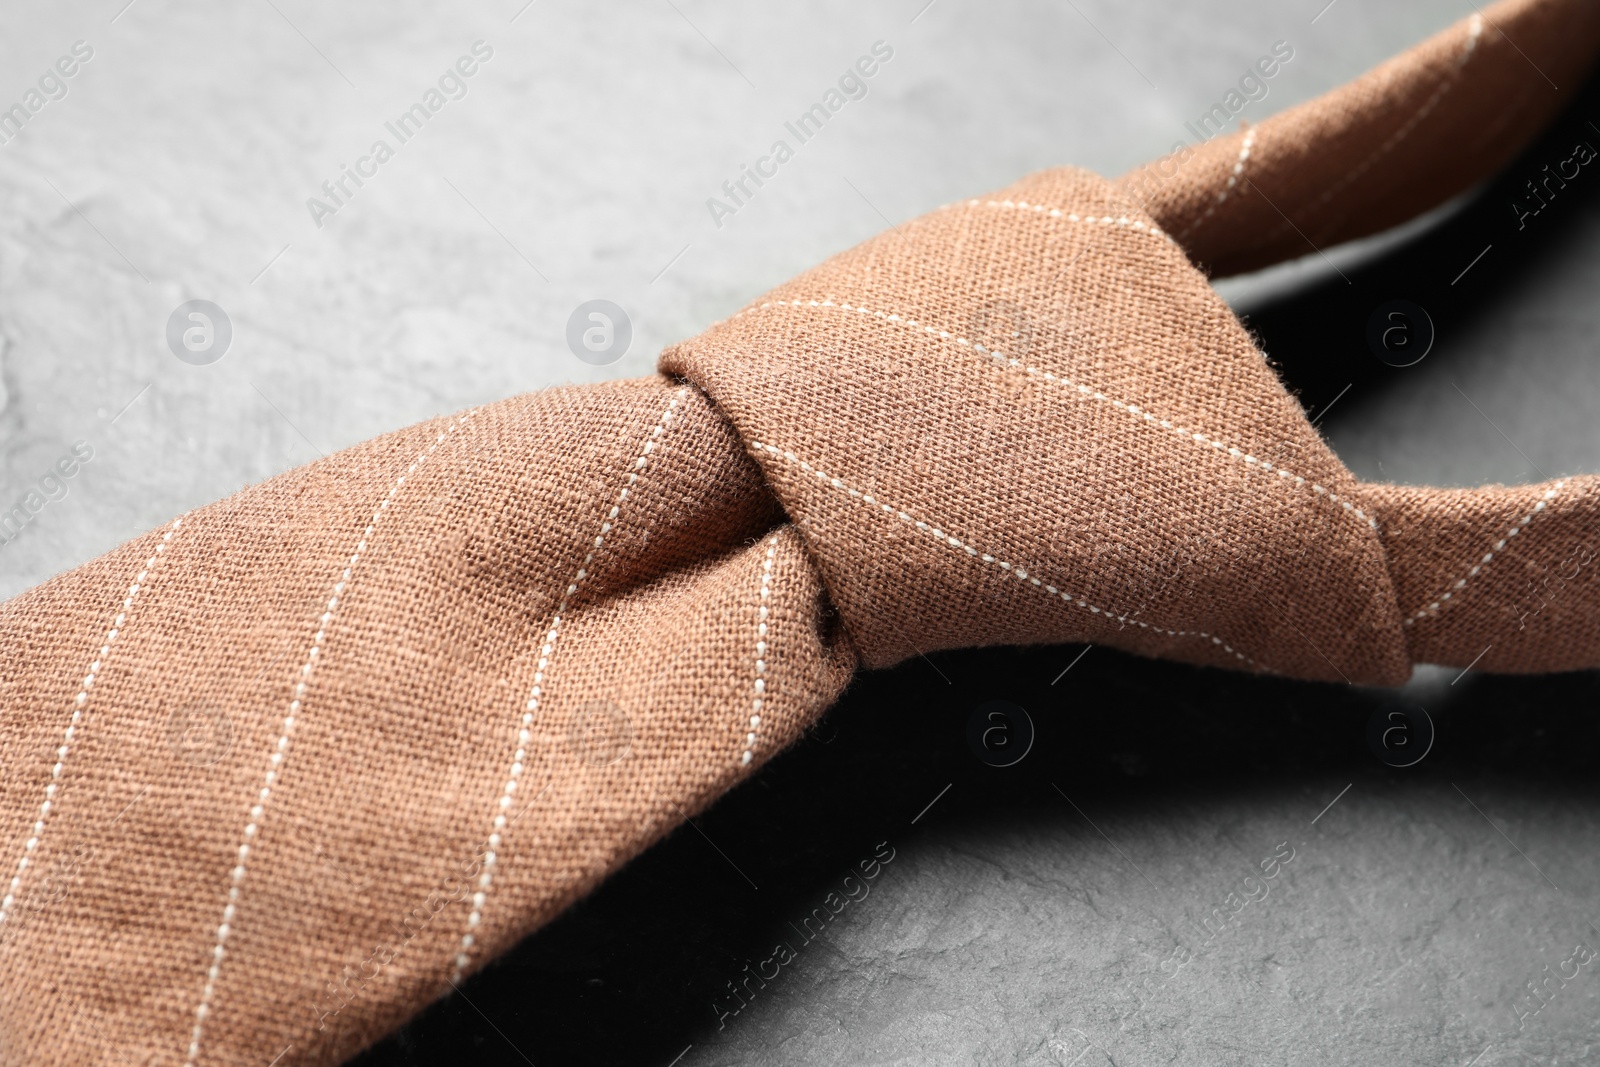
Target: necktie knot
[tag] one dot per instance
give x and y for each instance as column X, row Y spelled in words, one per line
column 1027, row 417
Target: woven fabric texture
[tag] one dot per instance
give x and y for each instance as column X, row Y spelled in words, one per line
column 281, row 772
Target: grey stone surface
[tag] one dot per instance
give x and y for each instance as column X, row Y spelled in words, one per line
column 1008, row 929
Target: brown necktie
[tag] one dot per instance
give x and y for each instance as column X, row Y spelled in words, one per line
column 390, row 712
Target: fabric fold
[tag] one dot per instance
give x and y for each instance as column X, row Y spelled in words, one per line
column 1496, row 578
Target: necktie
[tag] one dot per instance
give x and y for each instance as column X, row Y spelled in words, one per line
column 394, row 710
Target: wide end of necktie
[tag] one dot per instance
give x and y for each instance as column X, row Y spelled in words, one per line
column 285, row 769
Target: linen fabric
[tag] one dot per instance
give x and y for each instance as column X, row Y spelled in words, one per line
column 281, row 772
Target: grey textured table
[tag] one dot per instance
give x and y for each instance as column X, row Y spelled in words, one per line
column 1099, row 902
